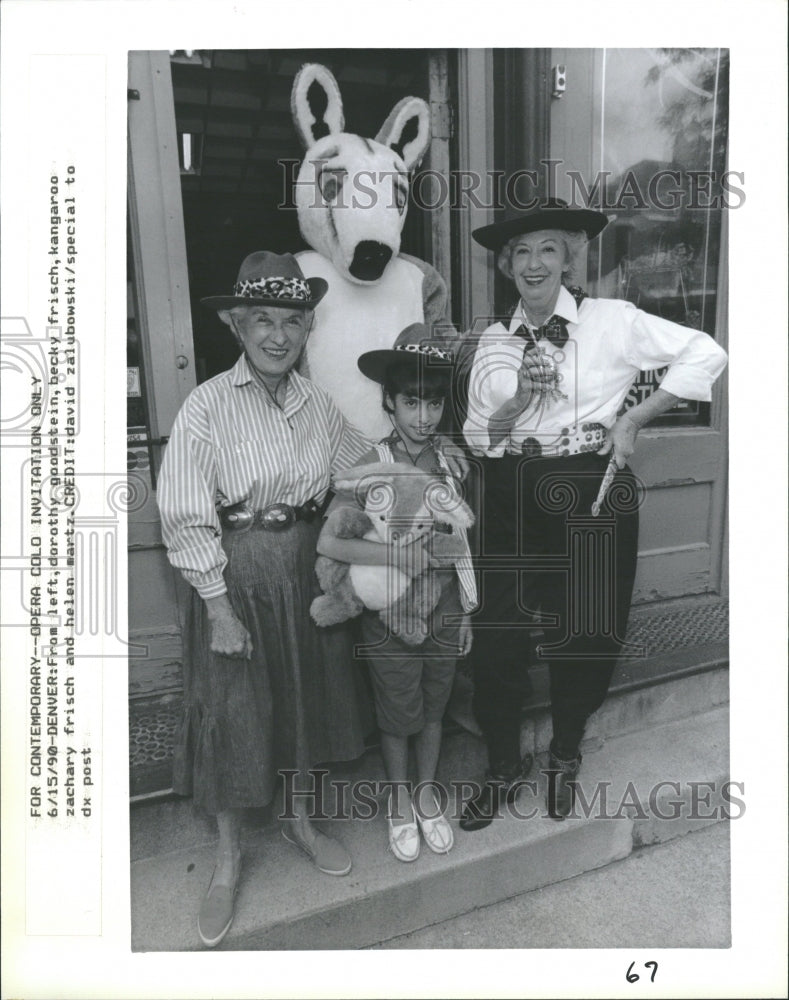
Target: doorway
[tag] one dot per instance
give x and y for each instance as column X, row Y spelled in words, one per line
column 212, row 153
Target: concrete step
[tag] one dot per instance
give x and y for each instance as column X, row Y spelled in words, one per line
column 672, row 895
column 651, row 695
column 284, row 903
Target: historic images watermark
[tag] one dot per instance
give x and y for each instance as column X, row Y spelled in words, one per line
column 665, row 190
column 668, row 799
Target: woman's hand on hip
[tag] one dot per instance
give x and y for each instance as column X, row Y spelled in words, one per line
column 622, row 436
column 229, row 636
column 621, row 439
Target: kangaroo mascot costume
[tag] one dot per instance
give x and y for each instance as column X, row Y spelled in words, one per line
column 352, row 198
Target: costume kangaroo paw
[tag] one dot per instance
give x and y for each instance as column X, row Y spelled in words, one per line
column 326, row 610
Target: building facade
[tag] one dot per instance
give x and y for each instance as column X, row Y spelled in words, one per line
column 641, row 133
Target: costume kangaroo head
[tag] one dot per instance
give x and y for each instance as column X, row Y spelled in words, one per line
column 352, row 192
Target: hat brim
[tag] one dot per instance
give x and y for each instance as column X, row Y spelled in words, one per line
column 373, row 364
column 572, row 220
column 318, row 288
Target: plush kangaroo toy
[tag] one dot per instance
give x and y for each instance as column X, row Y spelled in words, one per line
column 401, row 504
column 352, row 198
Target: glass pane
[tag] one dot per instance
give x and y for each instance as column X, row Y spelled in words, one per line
column 660, row 142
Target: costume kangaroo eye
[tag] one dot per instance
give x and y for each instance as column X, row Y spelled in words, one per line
column 401, row 197
column 383, row 517
column 330, row 182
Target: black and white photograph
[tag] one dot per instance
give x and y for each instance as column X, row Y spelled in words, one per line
column 435, row 607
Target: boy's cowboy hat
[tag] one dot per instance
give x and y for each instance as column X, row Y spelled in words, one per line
column 413, row 344
column 271, row 279
column 553, row 213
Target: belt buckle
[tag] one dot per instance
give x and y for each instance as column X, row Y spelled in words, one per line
column 237, row 517
column 277, row 517
column 309, row 511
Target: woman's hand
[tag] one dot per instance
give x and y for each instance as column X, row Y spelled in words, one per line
column 622, row 436
column 229, row 636
column 536, row 371
column 621, row 439
column 465, row 636
column 535, row 374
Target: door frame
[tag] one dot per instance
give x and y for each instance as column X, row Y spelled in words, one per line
column 156, row 223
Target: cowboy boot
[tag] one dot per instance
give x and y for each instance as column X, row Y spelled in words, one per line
column 562, row 779
column 501, row 785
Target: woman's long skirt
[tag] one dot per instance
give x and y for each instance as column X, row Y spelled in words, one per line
column 292, row 705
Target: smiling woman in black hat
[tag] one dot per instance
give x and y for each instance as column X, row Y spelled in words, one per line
column 244, row 475
column 544, row 415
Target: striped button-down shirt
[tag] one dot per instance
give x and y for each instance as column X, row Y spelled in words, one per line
column 230, row 443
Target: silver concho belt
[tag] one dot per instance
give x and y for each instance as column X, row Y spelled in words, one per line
column 241, row 516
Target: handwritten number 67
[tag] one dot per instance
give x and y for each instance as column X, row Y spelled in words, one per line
column 633, row 977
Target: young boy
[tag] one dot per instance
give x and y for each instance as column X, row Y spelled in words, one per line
column 411, row 684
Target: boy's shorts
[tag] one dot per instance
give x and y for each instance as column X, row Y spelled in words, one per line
column 412, row 684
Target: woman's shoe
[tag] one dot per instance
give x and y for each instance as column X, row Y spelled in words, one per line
column 216, row 912
column 437, row 833
column 562, row 781
column 499, row 788
column 404, row 839
column 328, row 855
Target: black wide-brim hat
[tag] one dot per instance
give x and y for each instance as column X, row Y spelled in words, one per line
column 414, row 345
column 271, row 279
column 553, row 213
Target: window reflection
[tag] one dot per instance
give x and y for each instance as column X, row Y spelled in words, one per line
column 661, row 121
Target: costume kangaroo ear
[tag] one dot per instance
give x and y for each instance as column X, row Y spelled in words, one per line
column 313, row 122
column 391, row 132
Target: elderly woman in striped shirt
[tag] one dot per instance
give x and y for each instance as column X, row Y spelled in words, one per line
column 264, row 688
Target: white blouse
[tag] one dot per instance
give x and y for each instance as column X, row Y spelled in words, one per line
column 610, row 342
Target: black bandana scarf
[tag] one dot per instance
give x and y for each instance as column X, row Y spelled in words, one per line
column 554, row 329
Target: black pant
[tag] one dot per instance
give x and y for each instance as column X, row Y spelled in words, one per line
column 546, row 563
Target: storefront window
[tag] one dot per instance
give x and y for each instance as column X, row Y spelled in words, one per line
column 660, row 134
